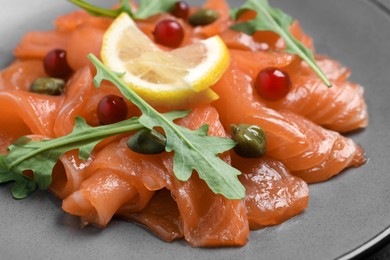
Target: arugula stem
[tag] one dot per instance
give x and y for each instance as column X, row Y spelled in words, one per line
column 98, row 10
column 290, row 43
column 99, row 132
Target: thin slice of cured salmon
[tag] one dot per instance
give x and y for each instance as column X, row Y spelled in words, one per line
column 68, row 174
column 161, row 216
column 113, row 180
column 273, row 195
column 83, row 40
column 35, row 45
column 35, row 111
column 206, row 219
column 20, row 74
column 21, row 111
column 340, row 108
column 77, row 91
column 75, row 19
column 308, row 150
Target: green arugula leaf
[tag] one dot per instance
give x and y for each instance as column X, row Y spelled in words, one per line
column 98, row 11
column 149, row 8
column 273, row 19
column 194, row 150
column 41, row 156
column 145, row 9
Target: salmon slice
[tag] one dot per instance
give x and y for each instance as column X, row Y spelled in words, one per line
column 332, row 69
column 253, row 62
column 340, row 108
column 35, row 111
column 161, row 216
column 81, row 98
column 77, row 91
column 304, row 147
column 23, row 112
column 68, row 174
column 113, row 180
column 207, row 219
column 20, row 74
column 72, row 20
column 83, row 40
column 242, row 41
column 35, row 45
column 99, row 197
column 273, row 195
column 89, row 109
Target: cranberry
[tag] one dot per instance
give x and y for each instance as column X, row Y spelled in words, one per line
column 180, row 10
column 273, row 84
column 111, row 109
column 169, row 33
column 56, row 65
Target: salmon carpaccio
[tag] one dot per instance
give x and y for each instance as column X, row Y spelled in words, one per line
column 303, row 133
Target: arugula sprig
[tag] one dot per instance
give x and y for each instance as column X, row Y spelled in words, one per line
column 273, row 19
column 145, row 9
column 41, row 156
column 193, row 150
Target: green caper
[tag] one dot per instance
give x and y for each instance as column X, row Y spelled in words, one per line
column 251, row 140
column 147, row 141
column 203, row 17
column 48, row 86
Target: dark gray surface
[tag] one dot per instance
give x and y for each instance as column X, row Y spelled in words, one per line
column 385, row 4
column 344, row 213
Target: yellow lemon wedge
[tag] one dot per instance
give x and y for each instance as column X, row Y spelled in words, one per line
column 179, row 77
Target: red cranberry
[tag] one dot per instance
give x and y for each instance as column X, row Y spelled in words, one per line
column 273, row 84
column 169, row 33
column 181, row 10
column 111, row 109
column 56, row 65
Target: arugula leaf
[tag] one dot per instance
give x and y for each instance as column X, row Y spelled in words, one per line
column 98, row 11
column 41, row 156
column 194, row 150
column 149, row 8
column 273, row 19
column 145, row 9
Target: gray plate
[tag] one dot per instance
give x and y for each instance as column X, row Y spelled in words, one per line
column 344, row 213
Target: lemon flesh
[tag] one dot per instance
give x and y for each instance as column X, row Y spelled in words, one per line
column 179, row 77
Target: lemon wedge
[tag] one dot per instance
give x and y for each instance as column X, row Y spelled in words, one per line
column 179, row 77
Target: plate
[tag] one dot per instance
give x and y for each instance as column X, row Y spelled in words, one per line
column 344, row 214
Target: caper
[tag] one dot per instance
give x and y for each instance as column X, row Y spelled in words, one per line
column 203, row 17
column 48, row 86
column 251, row 140
column 147, row 141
